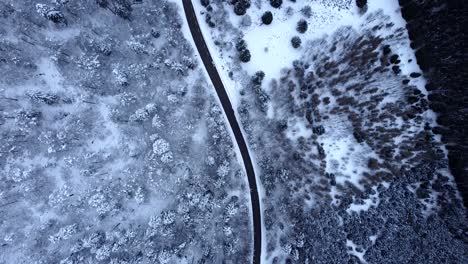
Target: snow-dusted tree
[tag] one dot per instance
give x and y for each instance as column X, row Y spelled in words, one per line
column 64, row 233
column 122, row 8
column 47, row 98
column 143, row 114
column 160, row 146
column 50, row 13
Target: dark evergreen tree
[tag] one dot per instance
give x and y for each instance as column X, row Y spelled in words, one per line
column 296, row 42
column 301, row 26
column 241, row 6
column 267, row 18
column 205, row 3
column 361, row 3
column 239, row 9
column 244, row 55
column 241, row 45
column 258, row 78
column 209, row 21
column 102, row 3
column 276, row 3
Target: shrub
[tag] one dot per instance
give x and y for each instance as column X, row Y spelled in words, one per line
column 123, row 8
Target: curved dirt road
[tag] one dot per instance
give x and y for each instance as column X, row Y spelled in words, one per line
column 226, row 103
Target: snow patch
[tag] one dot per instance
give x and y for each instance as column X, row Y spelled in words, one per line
column 50, row 75
column 297, row 129
column 356, row 250
column 372, row 201
column 62, row 34
column 345, row 157
column 111, row 133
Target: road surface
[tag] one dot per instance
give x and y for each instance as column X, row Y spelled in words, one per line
column 226, row 103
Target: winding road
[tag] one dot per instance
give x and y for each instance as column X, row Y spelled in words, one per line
column 227, row 106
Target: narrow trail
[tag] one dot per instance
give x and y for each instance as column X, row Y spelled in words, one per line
column 227, row 106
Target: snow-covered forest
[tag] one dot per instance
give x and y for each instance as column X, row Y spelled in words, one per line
column 336, row 113
column 113, row 148
column 115, row 144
